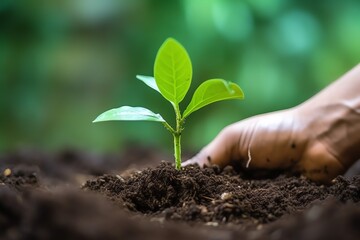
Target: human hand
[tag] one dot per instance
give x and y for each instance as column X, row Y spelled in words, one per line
column 283, row 140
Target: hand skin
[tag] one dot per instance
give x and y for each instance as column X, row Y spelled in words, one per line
column 319, row 139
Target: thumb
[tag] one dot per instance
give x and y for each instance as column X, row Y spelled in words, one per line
column 218, row 152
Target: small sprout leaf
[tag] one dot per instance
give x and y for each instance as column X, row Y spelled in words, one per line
column 210, row 91
column 127, row 113
column 173, row 71
column 148, row 80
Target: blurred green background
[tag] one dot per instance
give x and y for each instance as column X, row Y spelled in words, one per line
column 64, row 62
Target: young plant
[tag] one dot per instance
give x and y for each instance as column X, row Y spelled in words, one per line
column 172, row 79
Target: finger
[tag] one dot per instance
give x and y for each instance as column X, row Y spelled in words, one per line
column 218, row 152
column 319, row 165
column 191, row 161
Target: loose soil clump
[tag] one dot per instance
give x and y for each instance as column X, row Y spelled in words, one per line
column 217, row 197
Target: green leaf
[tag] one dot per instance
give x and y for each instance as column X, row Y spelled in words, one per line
column 148, row 80
column 173, row 71
column 213, row 90
column 127, row 113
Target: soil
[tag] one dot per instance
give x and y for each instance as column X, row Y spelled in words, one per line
column 77, row 195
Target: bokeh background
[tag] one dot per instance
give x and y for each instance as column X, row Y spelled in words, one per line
column 64, row 62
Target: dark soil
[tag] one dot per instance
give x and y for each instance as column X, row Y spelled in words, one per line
column 76, row 195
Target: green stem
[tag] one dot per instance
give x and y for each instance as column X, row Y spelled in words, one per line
column 177, row 137
column 177, row 150
column 168, row 127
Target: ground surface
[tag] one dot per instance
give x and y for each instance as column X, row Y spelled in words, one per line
column 76, row 195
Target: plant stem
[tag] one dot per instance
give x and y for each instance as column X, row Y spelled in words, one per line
column 177, row 137
column 177, row 150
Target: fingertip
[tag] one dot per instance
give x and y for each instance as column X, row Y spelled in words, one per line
column 194, row 160
column 187, row 162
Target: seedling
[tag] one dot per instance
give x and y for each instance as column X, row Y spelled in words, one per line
column 172, row 79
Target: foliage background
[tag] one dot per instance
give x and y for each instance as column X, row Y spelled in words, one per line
column 64, row 62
